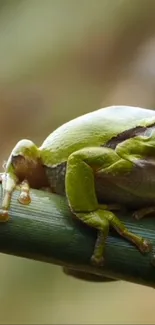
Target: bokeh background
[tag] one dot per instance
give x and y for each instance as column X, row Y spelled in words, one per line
column 58, row 60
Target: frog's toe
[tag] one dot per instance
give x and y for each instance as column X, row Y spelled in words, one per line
column 145, row 246
column 24, row 198
column 141, row 213
column 97, row 261
column 136, row 215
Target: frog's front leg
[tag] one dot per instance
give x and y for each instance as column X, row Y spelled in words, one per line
column 22, row 166
column 8, row 185
column 80, row 190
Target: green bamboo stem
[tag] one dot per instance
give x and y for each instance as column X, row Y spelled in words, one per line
column 46, row 231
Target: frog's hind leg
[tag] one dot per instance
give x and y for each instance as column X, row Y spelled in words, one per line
column 143, row 245
column 140, row 150
column 141, row 213
column 80, row 191
column 97, row 219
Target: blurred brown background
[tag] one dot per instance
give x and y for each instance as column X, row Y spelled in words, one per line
column 60, row 59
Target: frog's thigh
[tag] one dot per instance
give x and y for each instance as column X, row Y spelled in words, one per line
column 80, row 191
column 135, row 150
column 139, row 147
column 81, row 167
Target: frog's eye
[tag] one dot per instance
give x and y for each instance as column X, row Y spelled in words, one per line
column 16, row 159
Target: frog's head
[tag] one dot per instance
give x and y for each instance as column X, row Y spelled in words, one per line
column 25, row 163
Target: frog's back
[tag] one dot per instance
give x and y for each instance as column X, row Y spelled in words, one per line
column 94, row 129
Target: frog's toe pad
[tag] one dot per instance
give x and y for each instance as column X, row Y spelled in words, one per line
column 136, row 215
column 24, row 198
column 146, row 246
column 4, row 215
column 97, row 261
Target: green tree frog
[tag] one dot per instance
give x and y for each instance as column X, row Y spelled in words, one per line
column 99, row 161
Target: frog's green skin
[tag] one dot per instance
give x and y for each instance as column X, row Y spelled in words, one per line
column 105, row 156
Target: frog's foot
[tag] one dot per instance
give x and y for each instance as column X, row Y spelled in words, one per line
column 141, row 213
column 96, row 219
column 142, row 244
column 97, row 261
column 145, row 246
column 24, row 197
column 97, row 258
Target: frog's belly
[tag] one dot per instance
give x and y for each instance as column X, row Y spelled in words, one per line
column 134, row 190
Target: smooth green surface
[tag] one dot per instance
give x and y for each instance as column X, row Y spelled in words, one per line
column 104, row 156
column 45, row 230
column 93, row 129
